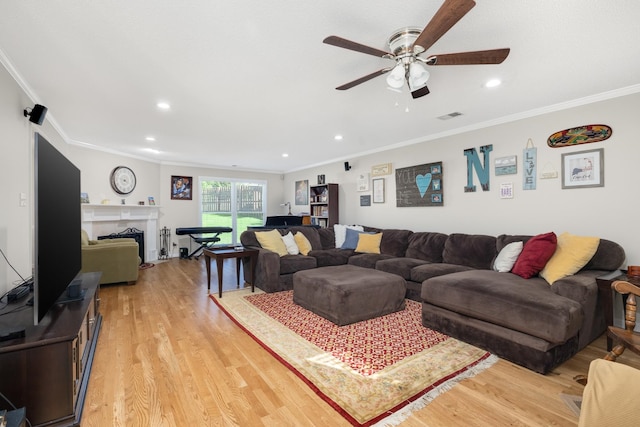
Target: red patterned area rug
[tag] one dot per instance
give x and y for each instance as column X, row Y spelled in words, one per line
column 374, row 372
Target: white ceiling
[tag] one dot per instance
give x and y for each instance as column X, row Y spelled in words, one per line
column 250, row 80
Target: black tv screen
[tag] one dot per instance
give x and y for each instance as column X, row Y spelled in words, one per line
column 57, row 251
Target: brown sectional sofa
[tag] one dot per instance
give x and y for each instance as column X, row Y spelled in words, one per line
column 527, row 321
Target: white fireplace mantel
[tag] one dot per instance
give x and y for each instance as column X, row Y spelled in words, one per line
column 107, row 219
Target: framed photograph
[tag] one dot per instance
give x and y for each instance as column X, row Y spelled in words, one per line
column 506, row 190
column 583, row 169
column 378, row 190
column 506, row 165
column 382, row 169
column 365, row 200
column 363, row 182
column 302, row 192
column 181, row 187
column 321, row 180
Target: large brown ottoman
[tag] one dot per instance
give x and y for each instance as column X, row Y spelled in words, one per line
column 347, row 294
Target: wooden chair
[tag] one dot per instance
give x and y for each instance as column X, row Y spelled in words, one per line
column 625, row 338
column 622, row 338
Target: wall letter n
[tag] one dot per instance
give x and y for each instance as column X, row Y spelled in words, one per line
column 473, row 162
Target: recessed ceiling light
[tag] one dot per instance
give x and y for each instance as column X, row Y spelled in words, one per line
column 338, row 137
column 163, row 105
column 150, row 138
column 285, row 155
column 493, row 83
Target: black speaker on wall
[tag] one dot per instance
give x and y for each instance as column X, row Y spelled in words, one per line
column 347, row 167
column 37, row 114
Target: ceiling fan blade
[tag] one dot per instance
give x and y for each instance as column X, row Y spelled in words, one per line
column 419, row 93
column 363, row 79
column 348, row 44
column 494, row 56
column 446, row 17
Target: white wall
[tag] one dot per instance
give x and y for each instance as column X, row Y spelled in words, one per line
column 16, row 148
column 609, row 212
column 153, row 179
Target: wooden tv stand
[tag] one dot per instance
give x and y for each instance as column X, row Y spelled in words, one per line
column 47, row 371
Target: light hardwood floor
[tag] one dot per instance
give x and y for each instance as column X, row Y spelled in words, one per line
column 167, row 356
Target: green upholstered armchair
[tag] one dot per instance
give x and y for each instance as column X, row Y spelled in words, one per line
column 117, row 259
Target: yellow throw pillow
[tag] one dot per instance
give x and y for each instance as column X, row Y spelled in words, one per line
column 304, row 246
column 272, row 240
column 369, row 243
column 572, row 253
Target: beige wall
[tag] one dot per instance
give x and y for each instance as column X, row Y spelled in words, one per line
column 610, row 212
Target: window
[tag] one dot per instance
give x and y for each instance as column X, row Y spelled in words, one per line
column 232, row 203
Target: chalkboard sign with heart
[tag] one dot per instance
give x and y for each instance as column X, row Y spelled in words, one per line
column 419, row 185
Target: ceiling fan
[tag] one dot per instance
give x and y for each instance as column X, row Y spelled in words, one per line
column 408, row 43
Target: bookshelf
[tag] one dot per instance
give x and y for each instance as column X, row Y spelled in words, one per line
column 324, row 205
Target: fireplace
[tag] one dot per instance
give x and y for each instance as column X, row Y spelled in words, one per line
column 131, row 233
column 103, row 220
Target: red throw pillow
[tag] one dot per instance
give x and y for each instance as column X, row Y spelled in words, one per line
column 535, row 254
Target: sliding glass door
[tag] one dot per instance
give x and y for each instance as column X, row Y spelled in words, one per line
column 232, row 203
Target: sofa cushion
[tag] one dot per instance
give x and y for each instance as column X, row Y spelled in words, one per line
column 427, row 246
column 609, row 256
column 504, row 239
column 340, row 231
column 400, row 266
column 505, row 299
column 427, row 271
column 311, row 233
column 367, row 260
column 369, row 243
column 395, row 241
column 272, row 241
column 290, row 243
column 327, row 238
column 351, row 238
column 472, row 250
column 328, row 257
column 535, row 254
column 507, row 257
column 304, row 246
column 572, row 253
column 291, row 263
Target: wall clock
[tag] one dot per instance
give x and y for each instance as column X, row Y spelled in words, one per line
column 123, row 180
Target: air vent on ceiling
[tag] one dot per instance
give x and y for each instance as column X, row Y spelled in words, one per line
column 450, row 115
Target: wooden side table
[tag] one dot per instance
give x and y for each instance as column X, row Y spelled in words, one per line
column 223, row 253
column 605, row 294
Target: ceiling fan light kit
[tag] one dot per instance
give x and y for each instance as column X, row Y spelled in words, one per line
column 395, row 79
column 406, row 44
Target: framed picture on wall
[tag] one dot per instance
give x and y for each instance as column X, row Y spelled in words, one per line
column 378, row 190
column 583, row 169
column 302, row 192
column 181, row 187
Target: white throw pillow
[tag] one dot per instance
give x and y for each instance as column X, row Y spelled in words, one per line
column 341, row 232
column 507, row 257
column 290, row 243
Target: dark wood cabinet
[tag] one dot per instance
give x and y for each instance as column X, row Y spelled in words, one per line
column 324, row 205
column 47, row 371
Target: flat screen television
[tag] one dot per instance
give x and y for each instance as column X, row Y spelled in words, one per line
column 57, row 225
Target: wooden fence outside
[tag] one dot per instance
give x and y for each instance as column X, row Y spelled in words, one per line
column 218, row 199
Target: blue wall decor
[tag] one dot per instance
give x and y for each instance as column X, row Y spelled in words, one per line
column 482, row 170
